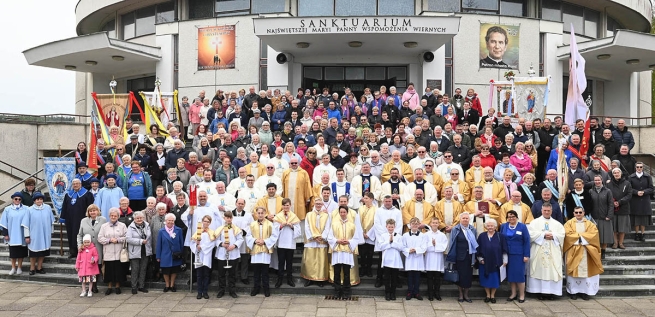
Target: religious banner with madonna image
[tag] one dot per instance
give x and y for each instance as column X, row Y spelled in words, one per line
column 59, row 173
column 217, row 47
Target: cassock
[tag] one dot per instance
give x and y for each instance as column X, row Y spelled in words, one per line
column 582, row 254
column 281, row 165
column 226, row 200
column 298, row 188
column 358, row 238
column 38, row 226
column 404, row 169
column 191, row 221
column 73, row 210
column 230, row 234
column 394, row 188
column 418, row 162
column 418, row 241
column 429, row 192
column 262, row 181
column 316, row 192
column 314, row 265
column 492, row 190
column 242, row 220
column 362, row 184
column 391, row 256
column 459, row 187
column 422, row 210
column 524, row 212
column 343, row 254
column 367, row 217
column 435, row 257
column 256, row 170
column 261, row 254
column 447, row 211
column 288, row 236
column 272, row 205
column 251, row 196
column 545, row 266
column 208, row 187
column 235, row 185
column 321, row 169
column 478, row 222
column 445, row 168
column 435, row 179
column 474, row 175
column 380, row 224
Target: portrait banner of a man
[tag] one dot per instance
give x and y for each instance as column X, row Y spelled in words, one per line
column 216, row 47
column 499, row 46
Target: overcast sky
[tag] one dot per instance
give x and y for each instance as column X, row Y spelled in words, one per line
column 32, row 89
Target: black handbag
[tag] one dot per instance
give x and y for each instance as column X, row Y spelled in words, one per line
column 450, row 274
column 177, row 256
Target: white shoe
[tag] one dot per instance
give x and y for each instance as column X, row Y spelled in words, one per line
column 19, row 271
column 83, row 294
column 90, row 294
column 12, row 272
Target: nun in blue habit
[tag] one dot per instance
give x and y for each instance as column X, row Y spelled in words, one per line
column 38, row 232
column 13, row 231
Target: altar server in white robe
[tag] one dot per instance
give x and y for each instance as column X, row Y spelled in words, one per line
column 382, row 214
column 545, row 269
column 416, row 244
column 261, row 240
column 435, row 258
column 363, row 183
column 343, row 241
column 289, row 225
column 390, row 243
column 194, row 215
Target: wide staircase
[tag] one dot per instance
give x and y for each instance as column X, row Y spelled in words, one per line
column 628, row 273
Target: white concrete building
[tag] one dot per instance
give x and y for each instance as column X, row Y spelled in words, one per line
column 355, row 43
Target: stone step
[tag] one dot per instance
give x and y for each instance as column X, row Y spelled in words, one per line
column 631, row 250
column 606, row 279
column 644, row 269
column 629, row 261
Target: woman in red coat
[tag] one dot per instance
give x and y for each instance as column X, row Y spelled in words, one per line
column 309, row 162
column 486, row 158
column 473, row 98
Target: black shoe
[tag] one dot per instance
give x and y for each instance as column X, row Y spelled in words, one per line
column 199, row 296
column 387, row 297
column 307, row 283
column 109, row 291
column 32, row 272
column 233, row 294
column 378, row 283
column 393, row 295
column 290, row 282
column 418, row 296
column 584, row 296
column 267, row 293
column 205, row 296
column 166, row 289
column 408, row 297
column 468, row 300
column 541, row 297
column 430, row 297
column 118, row 291
column 369, row 273
column 574, row 296
column 254, row 292
column 278, row 283
column 509, row 299
column 143, row 290
column 461, row 300
column 41, row 271
column 637, row 238
column 492, row 300
column 94, row 289
column 173, row 289
column 437, row 297
column 134, row 291
column 521, row 301
column 245, row 281
column 220, row 294
column 487, row 299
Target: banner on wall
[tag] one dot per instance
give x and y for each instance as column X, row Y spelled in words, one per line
column 499, row 46
column 524, row 97
column 59, row 173
column 217, row 47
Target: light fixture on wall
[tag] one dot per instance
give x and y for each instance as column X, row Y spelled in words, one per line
column 70, row 67
column 603, row 57
column 118, row 58
column 302, row 45
column 632, row 62
column 355, row 44
column 91, row 63
column 410, row 44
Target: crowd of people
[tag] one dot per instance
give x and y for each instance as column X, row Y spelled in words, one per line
column 422, row 184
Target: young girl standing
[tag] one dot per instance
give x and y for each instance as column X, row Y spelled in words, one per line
column 87, row 265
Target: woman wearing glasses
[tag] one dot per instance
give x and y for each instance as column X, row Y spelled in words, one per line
column 517, row 244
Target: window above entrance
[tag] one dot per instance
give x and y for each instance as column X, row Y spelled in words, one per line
column 309, row 8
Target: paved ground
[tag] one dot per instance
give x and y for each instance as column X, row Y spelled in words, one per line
column 20, row 298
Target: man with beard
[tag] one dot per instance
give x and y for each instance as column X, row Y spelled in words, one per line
column 394, row 188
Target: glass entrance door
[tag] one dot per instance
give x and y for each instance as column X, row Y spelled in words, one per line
column 357, row 78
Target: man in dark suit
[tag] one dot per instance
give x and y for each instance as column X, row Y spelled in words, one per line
column 341, row 144
column 441, row 139
column 468, row 115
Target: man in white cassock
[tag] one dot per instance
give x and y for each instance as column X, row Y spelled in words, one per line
column 279, row 163
column 429, row 192
column 269, row 177
column 237, row 183
column 221, row 199
column 194, row 215
column 250, row 193
column 324, row 167
column 545, row 274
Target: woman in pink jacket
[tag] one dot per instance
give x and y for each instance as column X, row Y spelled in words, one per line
column 87, row 265
column 194, row 116
column 521, row 160
column 412, row 96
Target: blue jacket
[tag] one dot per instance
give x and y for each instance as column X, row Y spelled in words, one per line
column 334, row 114
column 278, row 115
column 173, row 155
column 552, row 160
column 452, row 254
column 500, row 168
column 166, row 246
column 213, row 127
column 624, row 137
column 518, row 244
column 557, row 211
column 309, row 140
column 491, row 251
column 148, row 187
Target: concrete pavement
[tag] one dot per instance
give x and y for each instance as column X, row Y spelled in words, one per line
column 25, row 298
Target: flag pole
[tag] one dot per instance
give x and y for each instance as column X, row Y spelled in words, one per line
column 61, row 230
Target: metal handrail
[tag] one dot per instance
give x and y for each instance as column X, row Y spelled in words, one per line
column 31, row 175
column 46, row 118
column 18, row 169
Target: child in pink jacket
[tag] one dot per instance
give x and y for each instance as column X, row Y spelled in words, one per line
column 87, row 265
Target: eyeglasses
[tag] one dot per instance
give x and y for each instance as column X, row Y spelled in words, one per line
column 639, row 167
column 446, row 156
column 454, row 173
column 578, row 212
column 421, row 151
column 428, row 165
column 18, row 199
column 293, row 163
column 269, row 168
